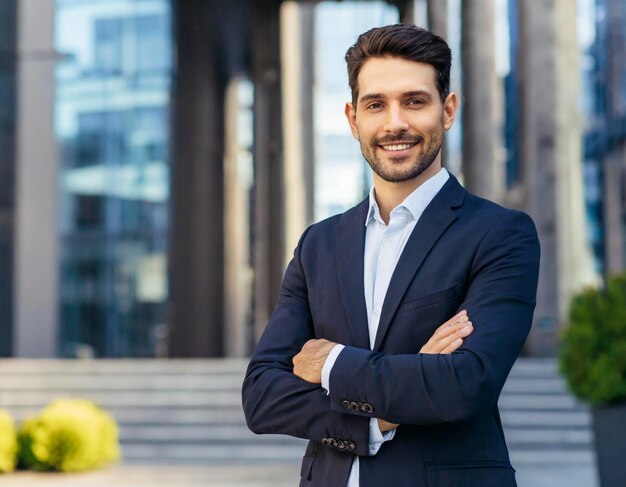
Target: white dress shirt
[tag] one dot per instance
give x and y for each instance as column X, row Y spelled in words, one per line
column 383, row 247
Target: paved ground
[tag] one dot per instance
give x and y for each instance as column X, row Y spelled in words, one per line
column 277, row 475
column 162, row 476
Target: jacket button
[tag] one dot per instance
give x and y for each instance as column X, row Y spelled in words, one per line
column 340, row 444
column 333, row 442
column 367, row 407
column 354, row 406
column 325, row 441
column 346, row 404
column 352, row 445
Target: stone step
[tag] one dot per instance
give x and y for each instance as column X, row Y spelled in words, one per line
column 541, row 385
column 156, row 453
column 520, row 457
column 122, row 366
column 228, row 416
column 214, row 434
column 181, row 411
column 549, row 437
column 227, row 398
column 160, row 415
column 238, row 433
column 211, row 454
column 546, row 419
column 543, row 402
column 137, row 383
column 202, row 382
column 535, row 367
column 110, row 399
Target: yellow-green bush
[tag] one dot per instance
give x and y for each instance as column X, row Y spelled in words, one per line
column 8, row 443
column 69, row 435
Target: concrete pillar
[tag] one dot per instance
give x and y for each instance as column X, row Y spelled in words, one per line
column 238, row 276
column 483, row 173
column 438, row 17
column 614, row 160
column 269, row 187
column 196, row 246
column 613, row 210
column 417, row 13
column 297, row 75
column 551, row 161
column 36, row 258
column 8, row 128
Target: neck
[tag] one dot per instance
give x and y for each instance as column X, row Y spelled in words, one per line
column 389, row 195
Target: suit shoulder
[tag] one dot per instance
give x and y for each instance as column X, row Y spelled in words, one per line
column 328, row 226
column 321, row 235
column 487, row 210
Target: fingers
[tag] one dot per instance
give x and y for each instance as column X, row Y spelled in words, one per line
column 448, row 326
column 449, row 336
column 454, row 345
column 454, row 340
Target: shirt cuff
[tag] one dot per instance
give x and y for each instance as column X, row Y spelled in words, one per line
column 377, row 437
column 328, row 365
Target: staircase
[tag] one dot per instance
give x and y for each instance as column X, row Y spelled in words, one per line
column 189, row 411
column 543, row 423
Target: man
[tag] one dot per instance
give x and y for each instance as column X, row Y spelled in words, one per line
column 353, row 357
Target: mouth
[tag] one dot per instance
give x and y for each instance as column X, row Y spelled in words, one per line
column 397, row 149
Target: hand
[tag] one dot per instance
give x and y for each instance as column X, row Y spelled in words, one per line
column 449, row 336
column 386, row 425
column 309, row 362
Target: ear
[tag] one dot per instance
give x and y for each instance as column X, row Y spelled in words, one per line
column 350, row 112
column 449, row 110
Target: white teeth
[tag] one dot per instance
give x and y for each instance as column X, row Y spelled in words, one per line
column 398, row 147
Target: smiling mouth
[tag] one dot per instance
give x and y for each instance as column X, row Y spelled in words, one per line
column 398, row 147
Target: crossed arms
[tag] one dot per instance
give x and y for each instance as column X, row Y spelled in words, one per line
column 309, row 362
column 423, row 388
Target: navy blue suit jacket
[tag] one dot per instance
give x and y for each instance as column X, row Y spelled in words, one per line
column 464, row 253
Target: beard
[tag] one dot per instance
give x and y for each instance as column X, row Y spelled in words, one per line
column 400, row 169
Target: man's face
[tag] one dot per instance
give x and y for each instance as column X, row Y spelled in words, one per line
column 399, row 118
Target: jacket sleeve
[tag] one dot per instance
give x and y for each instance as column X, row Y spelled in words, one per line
column 433, row 388
column 277, row 401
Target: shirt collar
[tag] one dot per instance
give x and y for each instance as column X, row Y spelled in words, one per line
column 415, row 202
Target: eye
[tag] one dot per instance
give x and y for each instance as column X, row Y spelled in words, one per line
column 415, row 102
column 374, row 106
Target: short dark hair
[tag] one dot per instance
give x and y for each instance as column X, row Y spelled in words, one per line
column 405, row 41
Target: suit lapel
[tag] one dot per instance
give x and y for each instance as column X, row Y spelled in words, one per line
column 349, row 255
column 432, row 224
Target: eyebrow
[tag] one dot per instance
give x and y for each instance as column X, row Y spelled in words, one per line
column 406, row 94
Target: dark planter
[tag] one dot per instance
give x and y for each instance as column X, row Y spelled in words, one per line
column 609, row 427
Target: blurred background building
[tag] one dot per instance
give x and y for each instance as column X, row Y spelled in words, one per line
column 160, row 158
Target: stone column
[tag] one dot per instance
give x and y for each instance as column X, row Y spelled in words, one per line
column 196, row 246
column 297, row 79
column 483, row 174
column 614, row 160
column 613, row 210
column 551, row 161
column 36, row 255
column 438, row 17
column 269, row 187
column 238, row 277
column 8, row 128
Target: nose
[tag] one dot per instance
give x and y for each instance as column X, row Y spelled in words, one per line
column 395, row 121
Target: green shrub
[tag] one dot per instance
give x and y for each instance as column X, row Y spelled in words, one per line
column 593, row 355
column 8, row 443
column 69, row 435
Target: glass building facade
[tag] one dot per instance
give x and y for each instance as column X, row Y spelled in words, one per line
column 112, row 126
column 342, row 177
